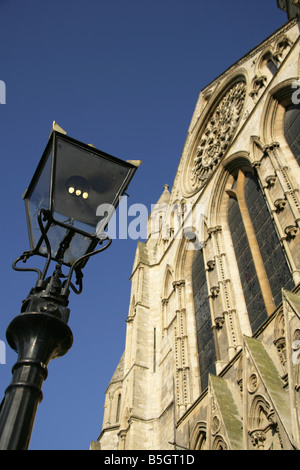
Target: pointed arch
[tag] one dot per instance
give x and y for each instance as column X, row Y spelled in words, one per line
column 256, row 149
column 191, row 267
column 268, row 63
column 280, row 130
column 132, row 308
column 272, row 121
column 183, row 260
column 219, row 443
column 259, row 411
column 263, row 425
column 167, row 285
column 217, row 206
column 198, row 436
column 240, row 208
column 279, row 338
column 228, row 97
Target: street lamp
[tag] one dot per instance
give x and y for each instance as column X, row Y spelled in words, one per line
column 71, row 181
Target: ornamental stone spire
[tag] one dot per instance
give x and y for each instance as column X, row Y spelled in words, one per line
column 291, row 7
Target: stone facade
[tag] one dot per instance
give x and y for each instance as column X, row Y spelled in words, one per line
column 212, row 357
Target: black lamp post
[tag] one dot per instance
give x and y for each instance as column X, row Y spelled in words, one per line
column 71, row 181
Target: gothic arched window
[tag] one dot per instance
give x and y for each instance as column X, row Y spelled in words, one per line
column 118, row 408
column 262, row 265
column 205, row 338
column 292, row 129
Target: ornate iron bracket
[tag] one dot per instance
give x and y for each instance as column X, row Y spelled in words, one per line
column 42, row 284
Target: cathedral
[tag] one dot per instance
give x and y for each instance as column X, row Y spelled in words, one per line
column 212, row 353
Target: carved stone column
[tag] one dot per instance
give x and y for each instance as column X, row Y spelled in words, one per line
column 182, row 367
column 164, row 306
column 290, row 198
column 223, row 290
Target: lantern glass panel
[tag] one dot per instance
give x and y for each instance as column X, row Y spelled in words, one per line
column 83, row 180
column 39, row 198
column 71, row 181
column 78, row 245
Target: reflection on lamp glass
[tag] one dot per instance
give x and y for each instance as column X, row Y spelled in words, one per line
column 78, row 186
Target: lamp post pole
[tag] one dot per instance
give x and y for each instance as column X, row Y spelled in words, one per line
column 39, row 334
column 71, row 181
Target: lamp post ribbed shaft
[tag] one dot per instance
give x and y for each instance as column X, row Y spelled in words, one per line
column 38, row 338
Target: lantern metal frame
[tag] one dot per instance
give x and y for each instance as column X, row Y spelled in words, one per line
column 46, row 219
column 48, row 213
column 41, row 332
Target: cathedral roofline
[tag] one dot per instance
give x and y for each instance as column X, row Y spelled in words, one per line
column 291, row 7
column 285, row 27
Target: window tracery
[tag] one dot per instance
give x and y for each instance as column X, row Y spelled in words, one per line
column 260, row 258
column 205, row 337
column 218, row 134
column 292, row 129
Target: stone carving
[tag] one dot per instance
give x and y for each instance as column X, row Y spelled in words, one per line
column 282, row 45
column 215, row 290
column 270, row 180
column 219, row 322
column 291, row 231
column 253, row 383
column 216, row 424
column 211, row 264
column 296, row 358
column 258, row 84
column 258, row 439
column 218, row 134
column 280, row 344
column 280, row 204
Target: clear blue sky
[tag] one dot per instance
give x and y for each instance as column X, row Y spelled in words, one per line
column 124, row 75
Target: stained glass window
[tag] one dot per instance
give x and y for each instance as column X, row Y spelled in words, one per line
column 275, row 265
column 292, row 129
column 205, row 339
